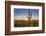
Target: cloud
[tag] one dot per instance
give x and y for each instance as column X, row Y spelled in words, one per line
column 20, row 18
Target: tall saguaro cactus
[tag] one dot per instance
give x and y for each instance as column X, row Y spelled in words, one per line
column 29, row 17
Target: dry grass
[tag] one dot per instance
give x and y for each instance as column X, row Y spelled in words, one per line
column 24, row 23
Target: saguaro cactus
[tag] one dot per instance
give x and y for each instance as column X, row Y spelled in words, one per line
column 29, row 17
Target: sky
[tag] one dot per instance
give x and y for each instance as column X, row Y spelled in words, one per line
column 22, row 14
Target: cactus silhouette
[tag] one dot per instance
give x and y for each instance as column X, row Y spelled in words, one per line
column 29, row 17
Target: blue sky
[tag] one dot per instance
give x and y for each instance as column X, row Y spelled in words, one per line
column 24, row 12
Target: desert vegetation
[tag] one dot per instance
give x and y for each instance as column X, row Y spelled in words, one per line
column 25, row 23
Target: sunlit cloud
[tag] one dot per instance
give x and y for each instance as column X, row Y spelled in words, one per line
column 20, row 18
